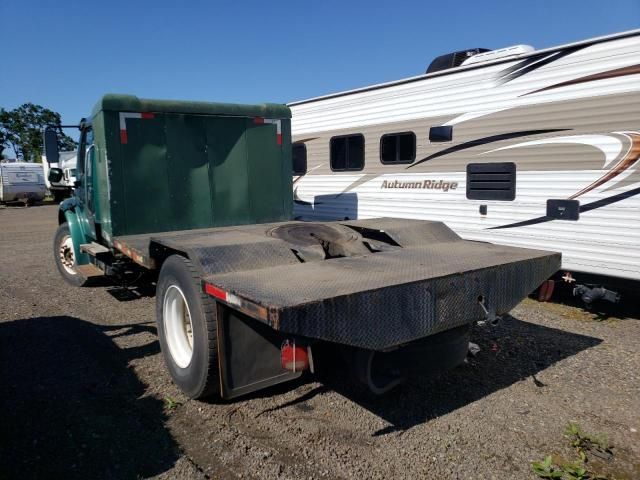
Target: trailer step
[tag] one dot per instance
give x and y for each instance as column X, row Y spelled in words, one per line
column 93, row 248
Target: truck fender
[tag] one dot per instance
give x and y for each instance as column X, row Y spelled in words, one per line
column 77, row 236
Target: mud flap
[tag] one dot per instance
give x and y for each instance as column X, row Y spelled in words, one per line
column 248, row 354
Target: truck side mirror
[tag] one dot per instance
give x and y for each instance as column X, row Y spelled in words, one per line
column 55, row 174
column 51, row 151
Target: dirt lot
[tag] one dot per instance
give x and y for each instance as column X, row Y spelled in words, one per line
column 85, row 394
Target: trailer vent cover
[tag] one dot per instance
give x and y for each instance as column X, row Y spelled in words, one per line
column 491, row 181
column 453, row 59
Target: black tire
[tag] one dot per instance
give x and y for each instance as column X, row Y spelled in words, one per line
column 65, row 260
column 199, row 378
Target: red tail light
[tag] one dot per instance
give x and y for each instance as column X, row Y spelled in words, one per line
column 292, row 357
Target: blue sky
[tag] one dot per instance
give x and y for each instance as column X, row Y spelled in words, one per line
column 64, row 55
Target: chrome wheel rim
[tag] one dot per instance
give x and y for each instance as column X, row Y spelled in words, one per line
column 66, row 255
column 178, row 327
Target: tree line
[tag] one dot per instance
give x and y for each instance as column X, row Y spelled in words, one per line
column 21, row 131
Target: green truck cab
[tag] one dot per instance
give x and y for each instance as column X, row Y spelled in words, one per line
column 152, row 166
column 200, row 195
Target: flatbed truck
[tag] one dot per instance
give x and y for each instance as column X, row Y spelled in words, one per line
column 200, row 195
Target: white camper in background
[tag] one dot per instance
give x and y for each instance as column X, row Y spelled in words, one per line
column 21, row 181
column 528, row 148
column 67, row 162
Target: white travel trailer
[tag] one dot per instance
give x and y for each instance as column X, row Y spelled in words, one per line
column 21, row 181
column 67, row 163
column 528, row 148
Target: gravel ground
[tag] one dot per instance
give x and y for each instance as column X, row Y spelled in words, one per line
column 84, row 394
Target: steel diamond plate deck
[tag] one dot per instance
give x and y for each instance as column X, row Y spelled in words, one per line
column 386, row 299
column 419, row 279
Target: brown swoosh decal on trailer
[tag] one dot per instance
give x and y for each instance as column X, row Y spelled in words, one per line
column 364, row 179
column 456, row 148
column 533, row 63
column 583, row 208
column 629, row 159
column 618, row 72
column 303, row 140
column 484, row 141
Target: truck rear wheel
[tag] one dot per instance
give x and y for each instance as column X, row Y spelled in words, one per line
column 187, row 328
column 65, row 258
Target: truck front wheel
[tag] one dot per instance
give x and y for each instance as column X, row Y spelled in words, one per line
column 187, row 326
column 65, row 258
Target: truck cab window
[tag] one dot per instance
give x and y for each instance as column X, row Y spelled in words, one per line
column 89, row 152
column 81, row 154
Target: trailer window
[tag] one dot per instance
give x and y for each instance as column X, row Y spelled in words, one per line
column 299, row 158
column 398, row 147
column 491, row 181
column 347, row 152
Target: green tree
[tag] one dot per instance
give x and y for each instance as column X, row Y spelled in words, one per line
column 21, row 131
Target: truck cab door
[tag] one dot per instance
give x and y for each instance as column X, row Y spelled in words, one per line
column 85, row 185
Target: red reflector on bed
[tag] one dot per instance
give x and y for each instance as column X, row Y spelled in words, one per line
column 215, row 292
